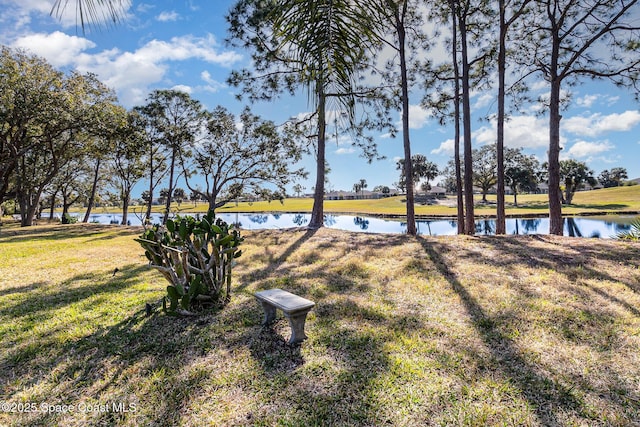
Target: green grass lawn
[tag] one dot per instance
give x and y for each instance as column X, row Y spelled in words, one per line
column 604, row 201
column 456, row 330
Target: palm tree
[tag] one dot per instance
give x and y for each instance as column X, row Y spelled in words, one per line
column 327, row 39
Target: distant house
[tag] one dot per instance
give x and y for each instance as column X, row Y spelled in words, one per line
column 350, row 195
column 437, row 191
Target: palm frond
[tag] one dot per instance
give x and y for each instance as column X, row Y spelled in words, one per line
column 633, row 233
column 92, row 12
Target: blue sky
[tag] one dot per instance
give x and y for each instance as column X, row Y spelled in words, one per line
column 180, row 44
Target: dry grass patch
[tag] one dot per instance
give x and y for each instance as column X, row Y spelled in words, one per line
column 526, row 330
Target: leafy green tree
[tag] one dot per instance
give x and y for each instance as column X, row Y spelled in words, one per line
column 363, row 185
column 472, row 51
column 563, row 41
column 420, row 168
column 381, row 189
column 179, row 195
column 518, row 9
column 484, row 168
column 398, row 25
column 520, row 172
column 100, row 145
column 256, row 156
column 71, row 184
column 46, row 118
column 613, row 178
column 176, row 119
column 319, row 46
column 28, row 99
column 574, row 175
column 127, row 161
column 298, row 189
column 155, row 155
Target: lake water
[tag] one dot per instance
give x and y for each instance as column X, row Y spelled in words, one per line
column 604, row 227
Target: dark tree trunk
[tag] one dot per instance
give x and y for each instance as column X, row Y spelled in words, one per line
column 125, row 207
column 167, row 207
column 94, row 188
column 456, row 119
column 406, row 142
column 470, row 226
column 317, row 212
column 52, row 208
column 28, row 207
column 500, row 207
column 555, row 194
column 150, row 201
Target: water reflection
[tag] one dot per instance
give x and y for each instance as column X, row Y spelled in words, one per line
column 259, row 219
column 330, row 220
column 299, row 219
column 605, row 227
column 530, row 226
column 486, row 227
column 361, row 222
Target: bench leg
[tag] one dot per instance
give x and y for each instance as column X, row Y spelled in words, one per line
column 296, row 322
column 269, row 313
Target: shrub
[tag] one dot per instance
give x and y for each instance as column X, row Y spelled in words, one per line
column 68, row 219
column 633, row 233
column 196, row 256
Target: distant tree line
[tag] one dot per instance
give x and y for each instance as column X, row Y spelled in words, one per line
column 331, row 49
column 64, row 139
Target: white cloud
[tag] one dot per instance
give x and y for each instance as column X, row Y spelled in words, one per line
column 213, row 85
column 183, row 88
column 129, row 73
column 58, row 48
column 612, row 100
column 418, row 116
column 483, row 101
column 584, row 149
column 168, row 16
column 519, row 131
column 145, row 7
column 345, row 150
column 447, row 148
column 587, row 100
column 597, row 124
column 540, row 85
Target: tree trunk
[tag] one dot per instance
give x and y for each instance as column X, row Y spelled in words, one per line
column 569, row 191
column 555, row 194
column 167, row 207
column 500, row 206
column 150, row 201
column 125, row 211
column 94, row 187
column 317, row 213
column 470, row 226
column 456, row 119
column 52, row 208
column 406, row 142
column 28, row 207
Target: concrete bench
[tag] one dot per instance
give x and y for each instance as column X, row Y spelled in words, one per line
column 293, row 307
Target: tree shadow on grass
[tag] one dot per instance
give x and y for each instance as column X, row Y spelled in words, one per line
column 64, row 232
column 542, row 392
column 67, row 292
column 274, row 261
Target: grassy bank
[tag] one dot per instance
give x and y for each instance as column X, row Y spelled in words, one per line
column 604, row 201
column 519, row 330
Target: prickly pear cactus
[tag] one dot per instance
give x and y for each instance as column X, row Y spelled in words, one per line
column 196, row 256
